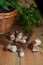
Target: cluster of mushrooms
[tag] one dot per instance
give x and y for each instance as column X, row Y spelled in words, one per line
column 17, row 37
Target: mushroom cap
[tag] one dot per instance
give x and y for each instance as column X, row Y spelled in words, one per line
column 38, row 42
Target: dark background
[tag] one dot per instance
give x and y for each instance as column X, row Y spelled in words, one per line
column 39, row 4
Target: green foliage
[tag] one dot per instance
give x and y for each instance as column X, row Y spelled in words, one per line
column 29, row 17
column 5, row 4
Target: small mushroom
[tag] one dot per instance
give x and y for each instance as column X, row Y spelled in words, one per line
column 21, row 53
column 22, row 41
column 12, row 48
column 35, row 49
column 38, row 42
column 19, row 36
column 12, row 36
column 16, row 32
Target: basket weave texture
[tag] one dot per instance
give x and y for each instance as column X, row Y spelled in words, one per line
column 6, row 21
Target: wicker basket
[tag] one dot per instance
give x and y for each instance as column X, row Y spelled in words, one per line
column 6, row 21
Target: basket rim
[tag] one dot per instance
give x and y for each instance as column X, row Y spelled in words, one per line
column 9, row 14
